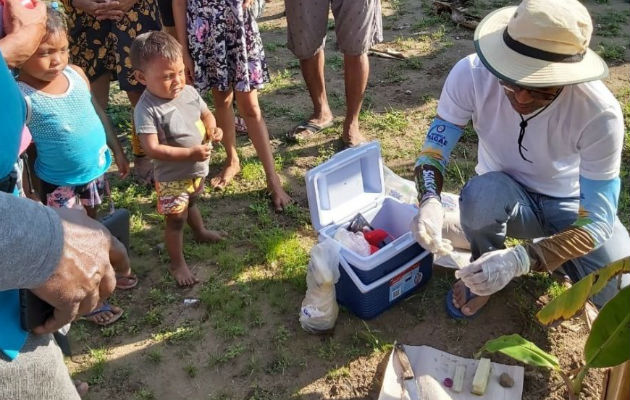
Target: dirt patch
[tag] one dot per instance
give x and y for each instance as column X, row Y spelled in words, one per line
column 243, row 340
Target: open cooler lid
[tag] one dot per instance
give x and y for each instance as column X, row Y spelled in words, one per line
column 351, row 181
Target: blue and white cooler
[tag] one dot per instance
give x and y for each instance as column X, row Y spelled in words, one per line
column 351, row 182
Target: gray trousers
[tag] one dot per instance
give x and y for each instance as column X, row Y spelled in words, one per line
column 37, row 373
column 493, row 206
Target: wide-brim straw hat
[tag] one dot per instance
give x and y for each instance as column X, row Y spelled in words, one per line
column 540, row 43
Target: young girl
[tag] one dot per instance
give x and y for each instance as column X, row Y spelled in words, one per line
column 70, row 138
column 223, row 52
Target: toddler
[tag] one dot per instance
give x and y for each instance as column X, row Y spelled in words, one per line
column 71, row 140
column 174, row 126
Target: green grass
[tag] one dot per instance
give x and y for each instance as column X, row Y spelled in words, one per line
column 283, row 81
column 98, row 360
column 329, row 349
column 180, row 334
column 414, row 63
column 335, row 62
column 613, row 53
column 341, row 372
column 230, row 353
column 610, row 24
column 154, row 356
column 191, row 370
column 144, row 394
column 391, row 121
column 430, row 21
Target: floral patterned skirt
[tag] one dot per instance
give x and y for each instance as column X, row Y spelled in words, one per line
column 225, row 45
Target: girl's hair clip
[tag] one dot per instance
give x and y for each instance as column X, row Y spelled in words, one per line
column 54, row 5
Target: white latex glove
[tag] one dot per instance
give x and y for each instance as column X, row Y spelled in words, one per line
column 492, row 271
column 426, row 227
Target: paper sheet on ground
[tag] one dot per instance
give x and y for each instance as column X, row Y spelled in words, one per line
column 431, row 366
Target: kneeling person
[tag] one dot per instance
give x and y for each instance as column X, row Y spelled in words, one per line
column 550, row 139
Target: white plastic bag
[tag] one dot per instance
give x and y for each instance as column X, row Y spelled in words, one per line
column 354, row 241
column 399, row 188
column 319, row 308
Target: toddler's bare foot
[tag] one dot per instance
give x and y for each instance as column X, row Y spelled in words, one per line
column 182, row 275
column 280, row 199
column 224, row 178
column 208, row 236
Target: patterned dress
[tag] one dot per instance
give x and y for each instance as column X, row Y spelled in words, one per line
column 100, row 47
column 225, row 46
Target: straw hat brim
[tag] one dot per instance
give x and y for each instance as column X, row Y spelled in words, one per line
column 509, row 65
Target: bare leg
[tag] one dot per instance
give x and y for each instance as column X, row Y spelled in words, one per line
column 313, row 73
column 356, row 72
column 249, row 109
column 174, row 239
column 100, row 90
column 170, row 30
column 224, row 113
column 195, row 221
column 134, row 96
column 142, row 166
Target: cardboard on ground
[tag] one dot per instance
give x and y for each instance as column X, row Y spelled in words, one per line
column 431, row 366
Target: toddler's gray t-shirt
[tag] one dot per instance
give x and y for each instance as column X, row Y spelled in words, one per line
column 177, row 123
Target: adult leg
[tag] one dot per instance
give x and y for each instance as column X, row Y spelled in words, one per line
column 307, row 22
column 492, row 206
column 356, row 72
column 174, row 240
column 313, row 73
column 249, row 109
column 224, row 113
column 37, row 373
column 195, row 221
column 100, row 90
column 358, row 25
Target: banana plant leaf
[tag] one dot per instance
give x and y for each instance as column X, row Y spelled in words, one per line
column 608, row 344
column 522, row 350
column 572, row 300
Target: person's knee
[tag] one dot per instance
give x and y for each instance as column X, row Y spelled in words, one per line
column 479, row 203
column 176, row 221
column 222, row 100
column 250, row 110
column 306, row 52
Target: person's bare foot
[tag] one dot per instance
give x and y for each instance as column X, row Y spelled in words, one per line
column 459, row 300
column 226, row 175
column 280, row 199
column 183, row 276
column 209, row 236
column 352, row 135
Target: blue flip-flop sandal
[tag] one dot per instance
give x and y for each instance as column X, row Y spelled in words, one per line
column 106, row 307
column 455, row 312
